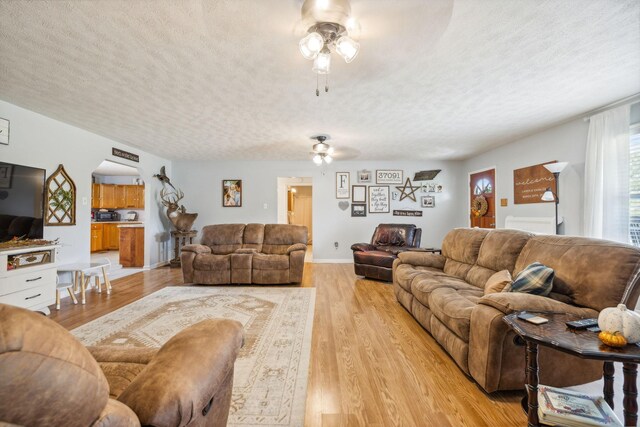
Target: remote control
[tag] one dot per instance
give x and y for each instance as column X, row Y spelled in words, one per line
column 582, row 323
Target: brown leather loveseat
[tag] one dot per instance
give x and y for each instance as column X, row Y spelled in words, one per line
column 445, row 294
column 251, row 253
column 48, row 378
column 375, row 260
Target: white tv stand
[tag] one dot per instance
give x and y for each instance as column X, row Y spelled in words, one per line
column 31, row 286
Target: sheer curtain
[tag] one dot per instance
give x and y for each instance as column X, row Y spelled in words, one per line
column 606, row 190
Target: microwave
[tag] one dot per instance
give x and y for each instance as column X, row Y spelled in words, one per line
column 107, row 216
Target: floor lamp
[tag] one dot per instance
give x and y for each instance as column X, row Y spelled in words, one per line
column 549, row 195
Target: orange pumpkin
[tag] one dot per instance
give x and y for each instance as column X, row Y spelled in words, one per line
column 612, row 339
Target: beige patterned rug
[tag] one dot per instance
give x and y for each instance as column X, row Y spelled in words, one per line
column 270, row 382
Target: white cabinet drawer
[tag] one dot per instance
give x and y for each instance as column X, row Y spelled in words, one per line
column 18, row 282
column 42, row 295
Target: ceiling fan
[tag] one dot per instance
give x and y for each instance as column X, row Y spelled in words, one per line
column 322, row 152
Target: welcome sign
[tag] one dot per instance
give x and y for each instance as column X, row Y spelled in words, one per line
column 531, row 182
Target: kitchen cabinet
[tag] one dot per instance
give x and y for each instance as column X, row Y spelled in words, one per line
column 111, row 196
column 97, row 231
column 131, row 245
column 110, row 237
column 120, row 196
column 95, row 196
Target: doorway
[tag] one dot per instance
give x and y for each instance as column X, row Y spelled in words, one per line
column 117, row 199
column 482, row 190
column 295, row 206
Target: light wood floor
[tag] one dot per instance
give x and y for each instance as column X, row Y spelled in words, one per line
column 371, row 362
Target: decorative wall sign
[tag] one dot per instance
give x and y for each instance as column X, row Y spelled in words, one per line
column 342, row 185
column 406, row 213
column 125, row 154
column 408, row 190
column 426, row 175
column 60, row 201
column 364, row 176
column 343, row 204
column 359, row 193
column 531, row 182
column 4, row 131
column 231, row 193
column 358, row 210
column 428, row 202
column 389, row 177
column 6, row 172
column 379, row 199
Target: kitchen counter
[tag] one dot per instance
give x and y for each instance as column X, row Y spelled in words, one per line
column 131, row 226
column 93, row 221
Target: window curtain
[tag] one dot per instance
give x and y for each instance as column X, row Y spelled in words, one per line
column 606, row 192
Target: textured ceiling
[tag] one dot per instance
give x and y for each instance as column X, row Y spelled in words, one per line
column 205, row 79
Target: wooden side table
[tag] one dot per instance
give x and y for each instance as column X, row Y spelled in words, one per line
column 180, row 239
column 583, row 344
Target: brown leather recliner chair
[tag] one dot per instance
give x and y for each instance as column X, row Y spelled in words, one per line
column 375, row 260
column 47, row 377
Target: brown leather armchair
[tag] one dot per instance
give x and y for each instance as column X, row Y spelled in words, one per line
column 47, row 377
column 375, row 260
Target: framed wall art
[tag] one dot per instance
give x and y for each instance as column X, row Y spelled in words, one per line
column 60, row 199
column 379, row 199
column 364, row 176
column 389, row 176
column 6, row 172
column 231, row 193
column 358, row 210
column 428, row 202
column 4, row 131
column 342, row 185
column 359, row 194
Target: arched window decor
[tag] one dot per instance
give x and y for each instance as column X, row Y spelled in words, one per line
column 60, row 202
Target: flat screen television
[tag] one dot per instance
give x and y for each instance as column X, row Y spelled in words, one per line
column 21, row 201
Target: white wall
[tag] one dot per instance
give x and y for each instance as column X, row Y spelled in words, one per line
column 566, row 142
column 202, row 185
column 42, row 142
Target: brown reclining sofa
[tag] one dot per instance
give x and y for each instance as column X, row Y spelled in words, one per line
column 251, row 253
column 445, row 294
column 48, row 378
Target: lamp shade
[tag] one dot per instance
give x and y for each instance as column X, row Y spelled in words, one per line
column 548, row 196
column 311, row 45
column 317, row 159
column 347, row 48
column 322, row 63
column 556, row 167
column 328, row 159
column 321, row 147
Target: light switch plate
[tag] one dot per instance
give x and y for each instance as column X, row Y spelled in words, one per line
column 4, row 131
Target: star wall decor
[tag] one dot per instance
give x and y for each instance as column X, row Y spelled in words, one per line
column 408, row 190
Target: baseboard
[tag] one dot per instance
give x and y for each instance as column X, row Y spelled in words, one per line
column 156, row 265
column 333, row 261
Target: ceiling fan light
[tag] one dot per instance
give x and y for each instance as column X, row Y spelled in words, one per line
column 328, row 159
column 330, row 151
column 347, row 48
column 317, row 159
column 321, row 147
column 322, row 63
column 311, row 45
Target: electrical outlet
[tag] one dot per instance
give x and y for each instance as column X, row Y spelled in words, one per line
column 84, row 201
column 335, row 244
column 265, row 206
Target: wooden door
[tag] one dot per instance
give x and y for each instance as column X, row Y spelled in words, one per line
column 95, row 196
column 120, row 197
column 482, row 185
column 302, row 208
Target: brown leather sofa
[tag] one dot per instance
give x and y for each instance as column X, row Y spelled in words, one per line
column 445, row 294
column 48, row 378
column 252, row 253
column 375, row 260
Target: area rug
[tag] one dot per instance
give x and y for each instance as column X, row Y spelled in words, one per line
column 271, row 372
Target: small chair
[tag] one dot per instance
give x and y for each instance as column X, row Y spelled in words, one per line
column 375, row 260
column 95, row 274
column 64, row 285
